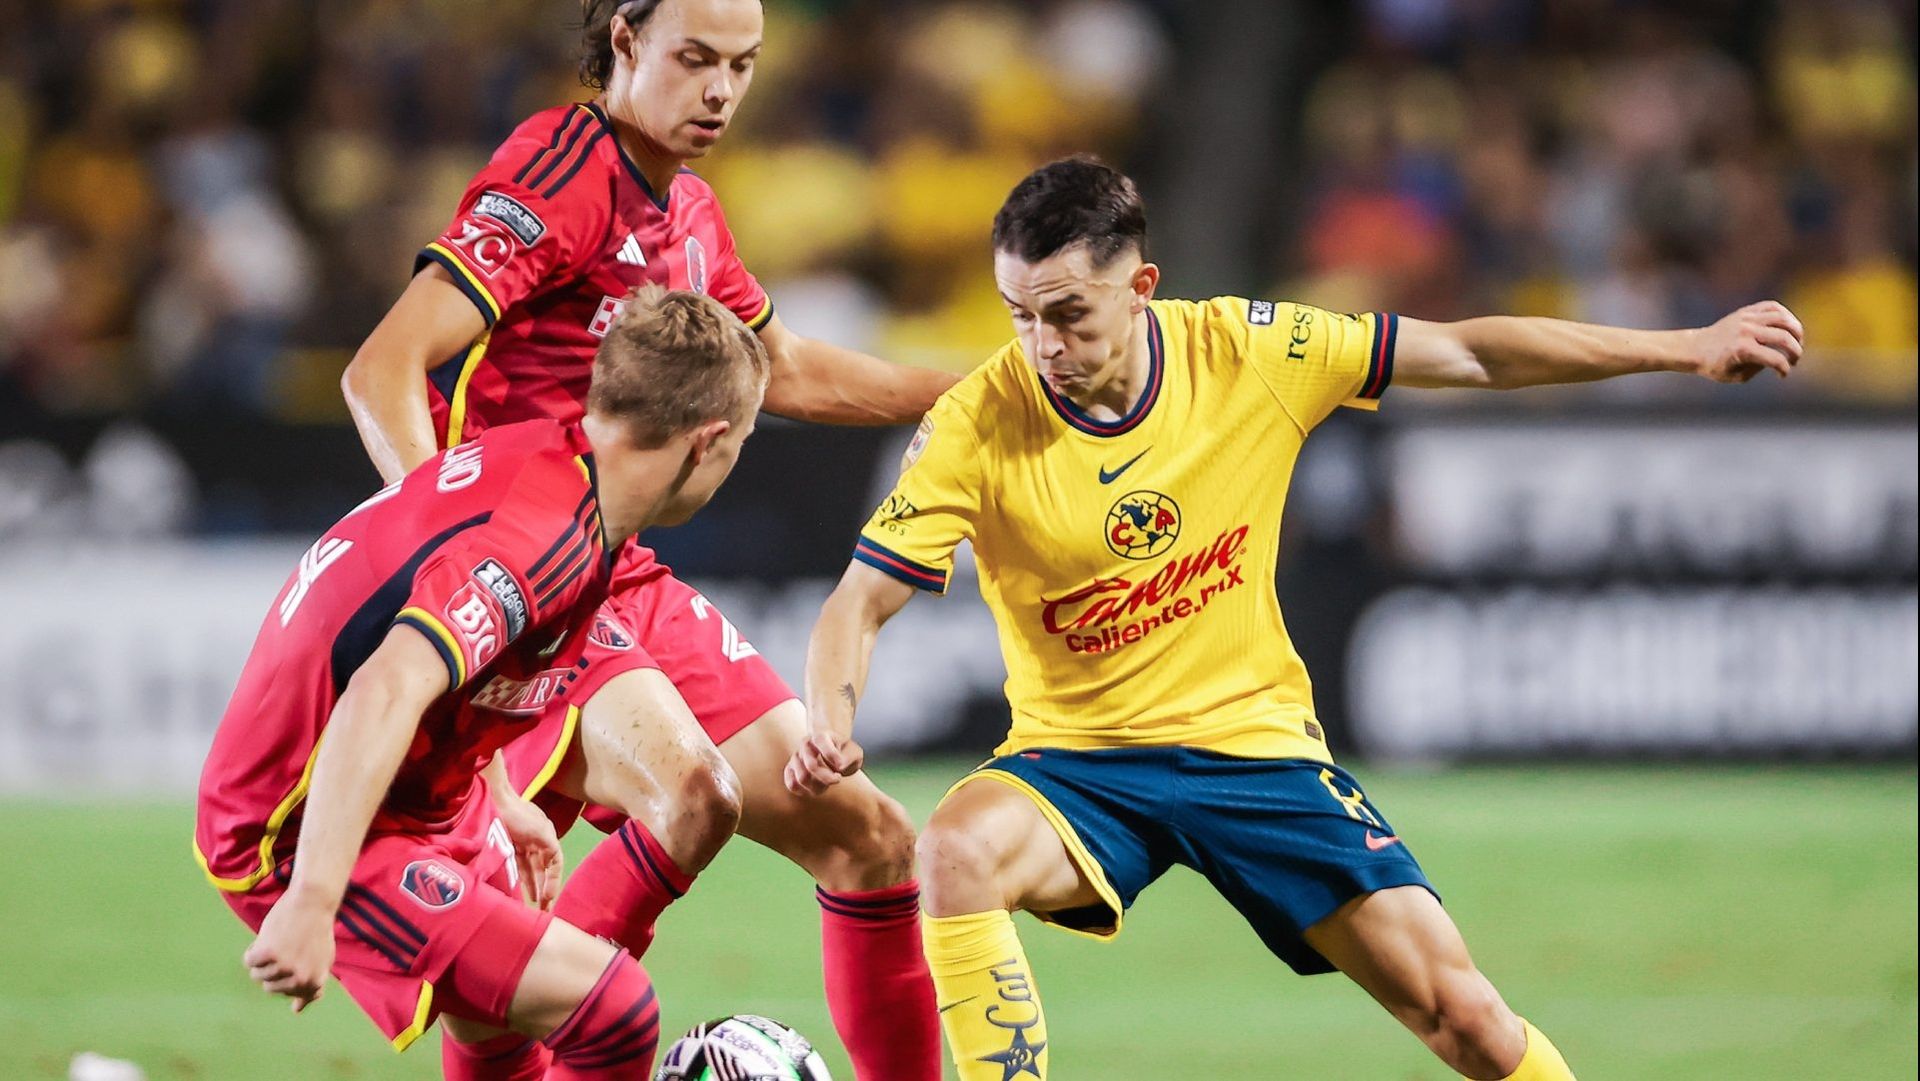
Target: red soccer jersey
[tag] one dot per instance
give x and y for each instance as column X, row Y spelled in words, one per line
column 494, row 552
column 551, row 237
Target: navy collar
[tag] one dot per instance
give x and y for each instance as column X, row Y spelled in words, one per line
column 633, row 170
column 1156, row 374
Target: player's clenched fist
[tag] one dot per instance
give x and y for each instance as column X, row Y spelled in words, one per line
column 821, row 761
column 1747, row 342
column 294, row 950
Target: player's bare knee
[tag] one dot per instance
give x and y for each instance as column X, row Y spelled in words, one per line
column 862, row 841
column 705, row 813
column 883, row 845
column 959, row 868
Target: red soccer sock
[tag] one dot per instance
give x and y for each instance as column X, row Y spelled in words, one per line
column 622, row 887
column 879, row 989
column 507, row 1057
column 614, row 1031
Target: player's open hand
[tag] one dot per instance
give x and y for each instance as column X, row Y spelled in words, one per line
column 536, row 848
column 293, row 951
column 821, row 761
column 1759, row 337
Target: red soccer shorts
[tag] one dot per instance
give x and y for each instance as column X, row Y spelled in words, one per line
column 653, row 620
column 417, row 905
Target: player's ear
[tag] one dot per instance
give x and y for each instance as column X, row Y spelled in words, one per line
column 705, row 436
column 1145, row 280
column 622, row 36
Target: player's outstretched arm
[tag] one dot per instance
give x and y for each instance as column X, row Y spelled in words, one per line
column 824, row 383
column 837, row 657
column 386, row 383
column 360, row 752
column 1505, row 352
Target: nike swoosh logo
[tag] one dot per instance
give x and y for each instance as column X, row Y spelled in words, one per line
column 962, row 1002
column 1375, row 842
column 1109, row 478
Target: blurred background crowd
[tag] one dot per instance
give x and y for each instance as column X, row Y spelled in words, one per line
column 206, row 204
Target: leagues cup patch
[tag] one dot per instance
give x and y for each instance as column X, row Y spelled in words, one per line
column 433, row 884
column 499, row 582
column 1260, row 313
column 919, row 444
column 513, row 214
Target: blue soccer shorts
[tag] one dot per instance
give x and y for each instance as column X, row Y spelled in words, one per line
column 1285, row 841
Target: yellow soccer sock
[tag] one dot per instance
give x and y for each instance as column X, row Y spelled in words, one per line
column 1542, row 1062
column 989, row 1006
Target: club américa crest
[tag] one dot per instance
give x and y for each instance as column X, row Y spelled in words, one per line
column 1142, row 524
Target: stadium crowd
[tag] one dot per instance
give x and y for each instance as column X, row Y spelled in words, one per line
column 209, row 202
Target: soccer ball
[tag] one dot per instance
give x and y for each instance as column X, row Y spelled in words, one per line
column 744, row 1047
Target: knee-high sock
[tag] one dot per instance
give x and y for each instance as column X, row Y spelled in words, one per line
column 1542, row 1061
column 614, row 1031
column 989, row 1004
column 878, row 987
column 621, row 888
column 508, row 1057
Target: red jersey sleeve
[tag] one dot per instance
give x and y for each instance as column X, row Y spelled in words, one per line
column 470, row 606
column 525, row 568
column 520, row 224
column 730, row 282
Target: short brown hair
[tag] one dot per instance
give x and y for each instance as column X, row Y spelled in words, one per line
column 1077, row 200
column 674, row 360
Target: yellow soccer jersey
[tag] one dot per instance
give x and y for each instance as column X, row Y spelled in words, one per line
column 1129, row 564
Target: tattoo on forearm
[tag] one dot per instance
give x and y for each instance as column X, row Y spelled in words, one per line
column 846, row 692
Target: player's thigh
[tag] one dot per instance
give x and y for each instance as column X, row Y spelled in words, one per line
column 853, row 836
column 1402, row 947
column 640, row 750
column 989, row 846
column 563, row 969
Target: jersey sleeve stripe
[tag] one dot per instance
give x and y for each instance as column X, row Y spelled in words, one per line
column 559, row 588
column 539, row 567
column 761, row 320
column 566, row 562
column 1386, row 331
column 462, row 278
column 586, row 152
column 566, row 148
column 423, row 621
column 918, row 575
column 571, row 116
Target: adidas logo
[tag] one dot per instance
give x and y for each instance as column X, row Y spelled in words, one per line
column 630, row 252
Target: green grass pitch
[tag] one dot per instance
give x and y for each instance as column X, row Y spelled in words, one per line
column 1667, row 922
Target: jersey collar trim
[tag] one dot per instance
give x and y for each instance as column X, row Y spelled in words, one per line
column 1156, row 374
column 633, row 170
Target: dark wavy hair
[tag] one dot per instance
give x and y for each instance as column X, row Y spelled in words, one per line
column 1078, row 200
column 596, row 19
